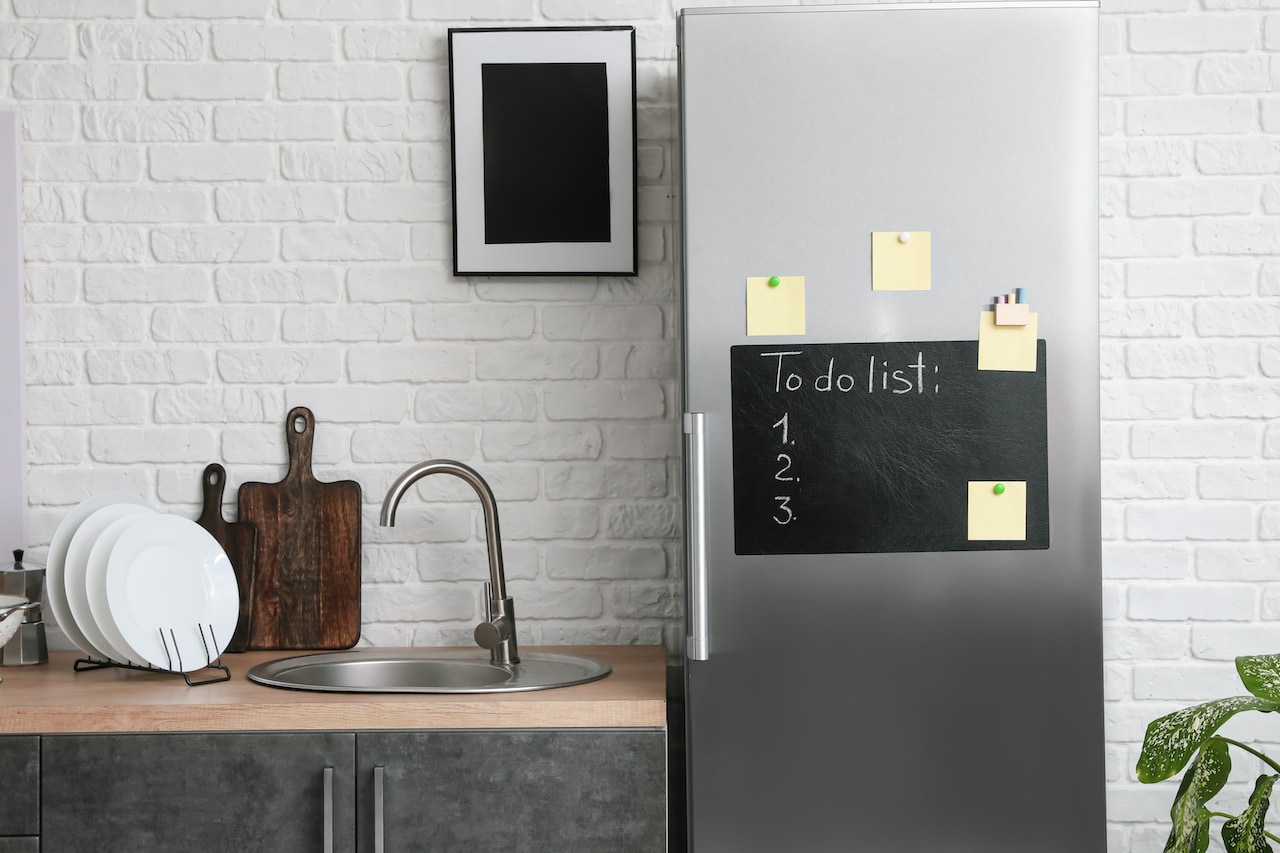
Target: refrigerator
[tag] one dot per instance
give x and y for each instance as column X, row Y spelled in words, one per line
column 889, row 248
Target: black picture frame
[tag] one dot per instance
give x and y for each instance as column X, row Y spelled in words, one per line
column 543, row 144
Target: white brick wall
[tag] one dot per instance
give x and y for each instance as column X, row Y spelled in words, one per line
column 235, row 206
column 1189, row 320
column 238, row 206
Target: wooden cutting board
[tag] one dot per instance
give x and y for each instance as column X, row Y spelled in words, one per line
column 239, row 539
column 306, row 585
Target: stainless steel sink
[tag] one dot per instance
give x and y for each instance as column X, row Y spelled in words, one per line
column 425, row 671
column 440, row 670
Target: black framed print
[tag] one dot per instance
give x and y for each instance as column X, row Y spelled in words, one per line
column 544, row 150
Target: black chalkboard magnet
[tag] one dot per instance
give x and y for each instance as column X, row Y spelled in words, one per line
column 1007, row 347
column 901, row 260
column 997, row 510
column 775, row 305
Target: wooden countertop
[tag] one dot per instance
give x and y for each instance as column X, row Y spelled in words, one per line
column 53, row 698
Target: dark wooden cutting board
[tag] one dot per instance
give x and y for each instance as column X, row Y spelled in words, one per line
column 306, row 585
column 239, row 539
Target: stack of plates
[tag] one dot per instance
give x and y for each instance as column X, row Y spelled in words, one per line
column 132, row 585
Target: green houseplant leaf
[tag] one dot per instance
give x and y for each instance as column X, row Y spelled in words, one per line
column 1247, row 833
column 1261, row 675
column 1172, row 740
column 1205, row 778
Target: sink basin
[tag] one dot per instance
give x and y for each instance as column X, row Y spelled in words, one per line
column 425, row 671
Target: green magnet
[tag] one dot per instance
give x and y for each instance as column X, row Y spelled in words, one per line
column 998, row 489
column 774, row 281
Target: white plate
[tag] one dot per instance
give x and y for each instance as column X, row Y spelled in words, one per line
column 95, row 582
column 55, row 590
column 167, row 579
column 75, row 568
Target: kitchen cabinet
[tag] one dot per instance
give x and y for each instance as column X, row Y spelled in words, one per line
column 19, row 790
column 586, row 790
column 28, row 844
column 221, row 792
column 117, row 761
column 580, row 791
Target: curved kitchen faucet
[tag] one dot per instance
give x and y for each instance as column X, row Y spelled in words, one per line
column 498, row 632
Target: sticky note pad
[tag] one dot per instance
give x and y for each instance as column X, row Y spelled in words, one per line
column 777, row 310
column 998, row 510
column 1007, row 347
column 898, row 264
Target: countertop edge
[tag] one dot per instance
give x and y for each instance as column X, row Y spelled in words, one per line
column 51, row 699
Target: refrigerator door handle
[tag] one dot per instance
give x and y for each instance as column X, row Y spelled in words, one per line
column 698, row 641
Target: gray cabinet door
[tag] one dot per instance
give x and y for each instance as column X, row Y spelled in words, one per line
column 238, row 793
column 573, row 791
column 19, row 786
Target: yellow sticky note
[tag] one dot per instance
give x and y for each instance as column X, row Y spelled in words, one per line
column 901, row 264
column 777, row 310
column 1006, row 347
column 998, row 514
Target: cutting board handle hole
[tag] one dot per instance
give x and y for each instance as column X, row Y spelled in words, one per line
column 214, row 478
column 299, row 424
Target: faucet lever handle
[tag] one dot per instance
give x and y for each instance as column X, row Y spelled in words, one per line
column 499, row 625
column 491, row 634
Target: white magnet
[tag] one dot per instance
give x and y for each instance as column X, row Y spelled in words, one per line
column 904, row 237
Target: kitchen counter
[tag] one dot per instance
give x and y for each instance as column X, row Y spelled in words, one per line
column 53, row 698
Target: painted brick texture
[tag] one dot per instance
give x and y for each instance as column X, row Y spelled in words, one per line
column 236, row 206
column 1190, row 318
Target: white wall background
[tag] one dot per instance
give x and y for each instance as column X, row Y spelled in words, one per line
column 1190, row 153
column 237, row 206
column 13, row 457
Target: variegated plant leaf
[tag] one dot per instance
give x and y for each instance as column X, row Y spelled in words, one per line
column 1247, row 833
column 1205, row 778
column 1261, row 675
column 1172, row 740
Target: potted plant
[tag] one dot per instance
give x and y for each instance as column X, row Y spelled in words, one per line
column 1173, row 740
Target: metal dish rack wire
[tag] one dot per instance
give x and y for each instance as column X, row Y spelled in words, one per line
column 212, row 662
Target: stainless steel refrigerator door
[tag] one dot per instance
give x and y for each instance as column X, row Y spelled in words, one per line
column 904, row 702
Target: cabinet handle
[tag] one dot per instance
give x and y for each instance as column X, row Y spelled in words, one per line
column 377, row 809
column 328, row 810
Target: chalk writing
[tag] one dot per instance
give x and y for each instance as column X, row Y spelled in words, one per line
column 881, row 376
column 784, row 459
